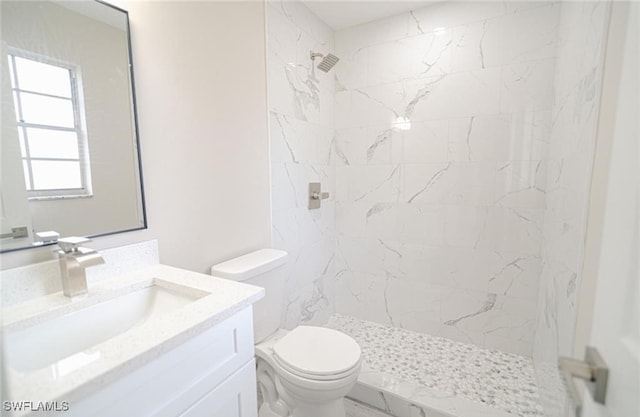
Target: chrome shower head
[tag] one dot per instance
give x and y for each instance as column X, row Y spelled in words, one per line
column 328, row 60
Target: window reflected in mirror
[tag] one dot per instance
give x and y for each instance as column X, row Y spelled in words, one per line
column 70, row 157
column 49, row 114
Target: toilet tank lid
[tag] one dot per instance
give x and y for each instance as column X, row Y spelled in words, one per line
column 248, row 266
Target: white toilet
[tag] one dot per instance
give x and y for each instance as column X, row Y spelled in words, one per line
column 305, row 372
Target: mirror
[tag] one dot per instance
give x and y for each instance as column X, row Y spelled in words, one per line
column 70, row 151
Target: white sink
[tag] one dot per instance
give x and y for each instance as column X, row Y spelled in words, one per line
column 70, row 350
column 69, row 341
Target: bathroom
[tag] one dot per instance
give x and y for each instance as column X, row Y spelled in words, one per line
column 456, row 142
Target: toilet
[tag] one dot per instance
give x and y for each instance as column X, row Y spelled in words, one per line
column 304, row 372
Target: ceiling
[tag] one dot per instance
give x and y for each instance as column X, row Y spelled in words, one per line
column 340, row 14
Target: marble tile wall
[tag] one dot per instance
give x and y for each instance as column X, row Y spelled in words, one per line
column 301, row 132
column 582, row 33
column 439, row 226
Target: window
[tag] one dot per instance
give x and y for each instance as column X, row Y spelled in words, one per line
column 52, row 139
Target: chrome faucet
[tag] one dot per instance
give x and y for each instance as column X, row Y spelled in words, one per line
column 74, row 259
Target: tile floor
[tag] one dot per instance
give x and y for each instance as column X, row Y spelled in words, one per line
column 460, row 374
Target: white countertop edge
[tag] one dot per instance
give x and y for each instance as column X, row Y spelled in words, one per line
column 134, row 348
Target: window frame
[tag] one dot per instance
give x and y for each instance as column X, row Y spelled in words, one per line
column 79, row 128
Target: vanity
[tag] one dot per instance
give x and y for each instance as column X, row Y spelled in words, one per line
column 159, row 341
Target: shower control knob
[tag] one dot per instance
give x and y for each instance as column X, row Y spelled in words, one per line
column 316, row 195
column 319, row 196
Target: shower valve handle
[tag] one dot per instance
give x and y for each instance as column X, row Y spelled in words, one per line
column 319, row 196
column 316, row 195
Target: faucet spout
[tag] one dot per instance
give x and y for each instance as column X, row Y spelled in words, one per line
column 74, row 260
column 85, row 257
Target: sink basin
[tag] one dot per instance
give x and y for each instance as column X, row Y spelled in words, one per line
column 67, row 342
column 102, row 350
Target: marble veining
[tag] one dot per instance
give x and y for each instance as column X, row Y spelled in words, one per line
column 356, row 409
column 304, row 86
column 303, row 141
column 442, row 133
column 466, row 226
column 491, row 378
column 578, row 75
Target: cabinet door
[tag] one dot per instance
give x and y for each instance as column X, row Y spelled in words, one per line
column 235, row 397
column 171, row 383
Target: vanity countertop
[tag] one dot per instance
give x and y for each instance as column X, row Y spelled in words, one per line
column 118, row 356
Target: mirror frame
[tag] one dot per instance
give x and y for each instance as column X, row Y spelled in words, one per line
column 135, row 143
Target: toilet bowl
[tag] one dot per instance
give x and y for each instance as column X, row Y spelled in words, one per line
column 304, row 372
column 313, row 367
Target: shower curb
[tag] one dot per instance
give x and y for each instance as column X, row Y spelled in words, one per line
column 390, row 395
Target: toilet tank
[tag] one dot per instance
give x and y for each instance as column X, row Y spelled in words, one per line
column 263, row 268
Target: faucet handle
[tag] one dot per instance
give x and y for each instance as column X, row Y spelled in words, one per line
column 72, row 243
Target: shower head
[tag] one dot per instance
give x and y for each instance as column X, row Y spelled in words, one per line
column 328, row 60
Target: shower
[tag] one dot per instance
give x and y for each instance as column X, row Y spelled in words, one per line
column 438, row 217
column 328, row 60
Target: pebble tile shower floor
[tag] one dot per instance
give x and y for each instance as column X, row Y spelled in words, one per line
column 493, row 378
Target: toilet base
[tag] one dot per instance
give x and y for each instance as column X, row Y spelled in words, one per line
column 265, row 411
column 331, row 409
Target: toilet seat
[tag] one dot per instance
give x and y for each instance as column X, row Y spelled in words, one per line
column 317, row 353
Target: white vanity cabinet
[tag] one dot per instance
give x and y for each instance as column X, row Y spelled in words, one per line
column 210, row 375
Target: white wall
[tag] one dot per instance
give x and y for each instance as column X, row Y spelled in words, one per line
column 201, row 91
